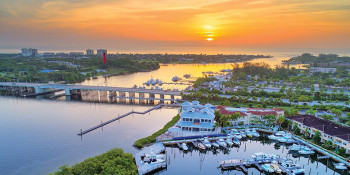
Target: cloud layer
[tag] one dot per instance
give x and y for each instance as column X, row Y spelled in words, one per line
column 140, row 23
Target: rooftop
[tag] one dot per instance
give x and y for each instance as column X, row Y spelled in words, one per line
column 326, row 126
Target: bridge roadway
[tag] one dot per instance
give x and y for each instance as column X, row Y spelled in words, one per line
column 86, row 87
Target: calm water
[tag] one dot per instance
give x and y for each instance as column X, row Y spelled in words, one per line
column 38, row 136
column 199, row 162
column 167, row 72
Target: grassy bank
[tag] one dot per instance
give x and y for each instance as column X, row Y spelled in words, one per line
column 115, row 161
column 152, row 138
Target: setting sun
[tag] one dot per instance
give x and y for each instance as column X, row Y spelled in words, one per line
column 209, row 39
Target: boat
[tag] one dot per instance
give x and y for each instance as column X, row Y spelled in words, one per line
column 236, row 134
column 261, row 157
column 297, row 147
column 175, row 79
column 306, row 151
column 215, row 144
column 249, row 133
column 282, row 139
column 160, row 82
column 340, row 166
column 243, row 134
column 206, row 142
column 222, row 142
column 276, row 168
column 280, row 133
column 255, row 133
column 201, row 145
column 154, row 159
column 267, row 168
column 184, row 146
column 229, row 141
column 187, row 75
column 236, row 142
column 297, row 171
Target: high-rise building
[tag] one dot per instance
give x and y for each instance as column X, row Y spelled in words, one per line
column 90, row 52
column 29, row 52
column 101, row 52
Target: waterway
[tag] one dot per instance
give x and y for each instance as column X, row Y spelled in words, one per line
column 40, row 135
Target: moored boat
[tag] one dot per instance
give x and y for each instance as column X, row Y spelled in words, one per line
column 184, row 146
column 222, row 142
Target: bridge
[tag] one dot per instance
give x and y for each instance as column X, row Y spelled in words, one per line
column 112, row 92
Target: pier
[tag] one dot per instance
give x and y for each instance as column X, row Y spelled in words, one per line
column 119, row 117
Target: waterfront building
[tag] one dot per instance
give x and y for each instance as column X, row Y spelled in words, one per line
column 196, row 117
column 90, row 52
column 30, row 52
column 100, row 52
column 249, row 114
column 48, row 55
column 339, row 135
column 322, row 70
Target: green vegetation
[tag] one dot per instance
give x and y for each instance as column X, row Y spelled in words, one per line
column 14, row 67
column 202, row 80
column 114, row 161
column 140, row 143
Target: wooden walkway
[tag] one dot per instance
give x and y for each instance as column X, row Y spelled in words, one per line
column 119, row 117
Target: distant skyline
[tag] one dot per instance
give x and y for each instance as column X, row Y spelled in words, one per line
column 140, row 24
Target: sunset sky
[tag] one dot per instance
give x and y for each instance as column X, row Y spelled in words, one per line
column 171, row 23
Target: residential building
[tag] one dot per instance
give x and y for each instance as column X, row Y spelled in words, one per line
column 100, row 52
column 249, row 114
column 75, row 54
column 196, row 117
column 339, row 135
column 48, row 55
column 90, row 52
column 322, row 70
column 30, row 52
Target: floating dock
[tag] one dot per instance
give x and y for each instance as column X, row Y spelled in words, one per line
column 144, row 168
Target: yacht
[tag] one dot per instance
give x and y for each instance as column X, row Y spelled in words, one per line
column 273, row 137
column 249, row 133
column 184, row 146
column 297, row 147
column 201, row 145
column 236, row 134
column 216, row 145
column 255, row 133
column 276, row 168
column 229, row 141
column 243, row 134
column 340, row 166
column 175, row 79
column 267, row 168
column 306, row 151
column 236, row 142
column 280, row 133
column 206, row 142
column 222, row 142
column 297, row 171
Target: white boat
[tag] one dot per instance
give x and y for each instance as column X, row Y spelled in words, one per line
column 249, row 133
column 184, row 146
column 222, row 142
column 280, row 133
column 273, row 137
column 154, row 159
column 243, row 134
column 306, row 151
column 206, row 142
column 297, row 171
column 236, row 142
column 237, row 135
column 201, row 145
column 340, row 166
column 255, row 133
column 229, row 141
column 276, row 168
column 282, row 139
column 267, row 168
column 297, row 147
column 215, row 144
column 260, row 157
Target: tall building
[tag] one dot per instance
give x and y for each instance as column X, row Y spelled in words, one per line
column 101, row 52
column 29, row 52
column 90, row 52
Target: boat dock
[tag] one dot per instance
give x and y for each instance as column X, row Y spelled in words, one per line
column 193, row 139
column 243, row 164
column 119, row 117
column 144, row 168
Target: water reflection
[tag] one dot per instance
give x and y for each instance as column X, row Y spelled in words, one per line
column 195, row 161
